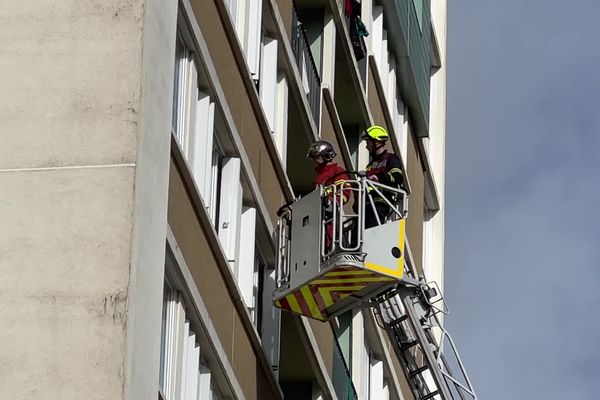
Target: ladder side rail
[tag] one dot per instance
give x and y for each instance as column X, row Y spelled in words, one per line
column 436, row 374
column 470, row 389
column 404, row 341
column 402, row 336
column 467, row 385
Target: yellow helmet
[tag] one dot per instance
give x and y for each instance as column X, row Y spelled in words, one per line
column 376, row 133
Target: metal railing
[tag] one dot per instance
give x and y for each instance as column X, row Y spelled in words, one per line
column 309, row 72
column 342, row 223
column 348, row 224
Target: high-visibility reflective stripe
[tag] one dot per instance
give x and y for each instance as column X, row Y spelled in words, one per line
column 310, row 301
column 294, row 306
column 314, row 298
column 350, row 280
column 398, row 170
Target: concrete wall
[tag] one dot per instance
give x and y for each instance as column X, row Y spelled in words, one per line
column 437, row 145
column 83, row 166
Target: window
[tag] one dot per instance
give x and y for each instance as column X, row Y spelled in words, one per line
column 252, row 35
column 230, row 210
column 391, row 91
column 377, row 35
column 232, row 7
column 246, row 16
column 268, row 79
column 384, row 66
column 268, row 318
column 183, row 374
column 273, row 92
column 185, row 97
column 193, row 123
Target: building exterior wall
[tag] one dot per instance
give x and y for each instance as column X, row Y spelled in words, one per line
column 111, row 235
column 85, row 169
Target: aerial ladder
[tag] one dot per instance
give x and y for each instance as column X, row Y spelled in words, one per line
column 329, row 261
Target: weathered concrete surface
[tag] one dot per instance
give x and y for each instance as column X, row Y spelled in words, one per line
column 85, row 135
column 70, row 82
column 64, row 256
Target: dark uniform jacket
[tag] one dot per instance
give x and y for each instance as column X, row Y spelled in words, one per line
column 388, row 170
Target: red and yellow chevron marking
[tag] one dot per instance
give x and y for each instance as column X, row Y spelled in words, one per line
column 315, row 297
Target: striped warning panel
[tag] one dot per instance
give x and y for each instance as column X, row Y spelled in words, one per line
column 316, row 296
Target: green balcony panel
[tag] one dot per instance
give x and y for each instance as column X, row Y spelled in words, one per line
column 408, row 23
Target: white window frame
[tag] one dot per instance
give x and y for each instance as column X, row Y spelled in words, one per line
column 271, row 320
column 245, row 273
column 281, row 124
column 377, row 34
column 252, row 35
column 377, row 389
column 392, row 91
column 185, row 107
column 230, row 210
column 384, row 67
column 268, row 80
column 233, row 9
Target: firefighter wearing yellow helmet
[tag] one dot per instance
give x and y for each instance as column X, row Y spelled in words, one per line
column 384, row 167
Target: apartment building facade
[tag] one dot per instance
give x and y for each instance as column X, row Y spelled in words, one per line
column 149, row 145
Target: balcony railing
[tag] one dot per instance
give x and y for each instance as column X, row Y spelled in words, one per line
column 306, row 64
column 342, row 377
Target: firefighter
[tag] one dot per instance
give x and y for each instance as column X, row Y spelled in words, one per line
column 328, row 173
column 385, row 168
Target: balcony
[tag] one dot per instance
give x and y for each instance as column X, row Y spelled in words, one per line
column 309, row 73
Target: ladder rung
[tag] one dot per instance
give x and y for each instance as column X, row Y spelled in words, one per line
column 398, row 320
column 408, row 345
column 430, row 395
column 419, row 370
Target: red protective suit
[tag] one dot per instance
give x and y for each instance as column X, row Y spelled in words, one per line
column 329, row 174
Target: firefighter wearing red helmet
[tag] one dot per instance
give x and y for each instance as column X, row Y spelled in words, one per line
column 327, row 172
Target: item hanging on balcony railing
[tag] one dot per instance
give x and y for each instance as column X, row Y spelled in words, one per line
column 358, row 31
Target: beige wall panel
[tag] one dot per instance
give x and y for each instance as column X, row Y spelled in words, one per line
column 374, row 103
column 249, row 372
column 200, row 259
column 376, row 106
column 244, row 363
column 239, row 103
column 414, row 222
column 327, row 133
column 73, row 73
column 65, row 258
column 286, row 10
column 324, row 338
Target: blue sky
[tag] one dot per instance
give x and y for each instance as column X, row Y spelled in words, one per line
column 523, row 199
